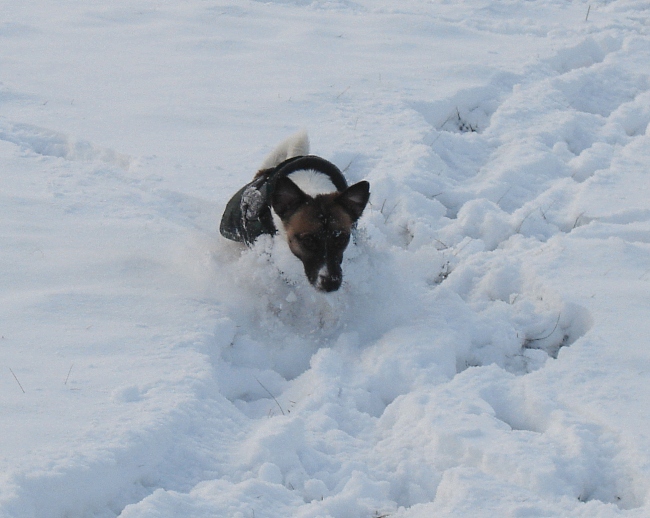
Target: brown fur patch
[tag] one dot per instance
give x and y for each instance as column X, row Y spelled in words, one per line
column 321, row 215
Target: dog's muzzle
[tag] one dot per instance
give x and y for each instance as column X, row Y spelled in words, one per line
column 328, row 282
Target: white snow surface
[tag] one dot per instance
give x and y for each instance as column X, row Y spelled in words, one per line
column 488, row 354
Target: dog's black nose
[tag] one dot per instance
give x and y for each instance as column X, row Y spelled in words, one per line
column 329, row 283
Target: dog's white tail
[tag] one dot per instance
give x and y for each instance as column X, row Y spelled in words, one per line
column 295, row 145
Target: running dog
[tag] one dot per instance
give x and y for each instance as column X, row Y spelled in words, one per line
column 304, row 199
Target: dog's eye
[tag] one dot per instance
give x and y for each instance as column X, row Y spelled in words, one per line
column 309, row 242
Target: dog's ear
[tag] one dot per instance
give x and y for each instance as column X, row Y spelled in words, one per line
column 287, row 198
column 355, row 198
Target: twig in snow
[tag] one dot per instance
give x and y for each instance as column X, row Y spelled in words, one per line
column 68, row 376
column 339, row 95
column 390, row 213
column 588, row 9
column 504, row 195
column 547, row 208
column 575, row 223
column 387, row 216
column 444, row 246
column 545, row 337
column 348, row 166
column 458, row 250
column 269, row 393
column 518, row 229
column 21, row 387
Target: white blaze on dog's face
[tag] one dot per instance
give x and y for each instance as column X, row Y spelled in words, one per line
column 317, row 228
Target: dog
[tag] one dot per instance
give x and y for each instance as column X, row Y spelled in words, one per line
column 304, row 199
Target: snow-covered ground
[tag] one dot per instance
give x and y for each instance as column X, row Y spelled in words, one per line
column 489, row 352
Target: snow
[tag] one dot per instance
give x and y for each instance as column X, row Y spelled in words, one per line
column 487, row 354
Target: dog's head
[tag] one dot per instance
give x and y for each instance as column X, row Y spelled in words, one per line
column 318, row 228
